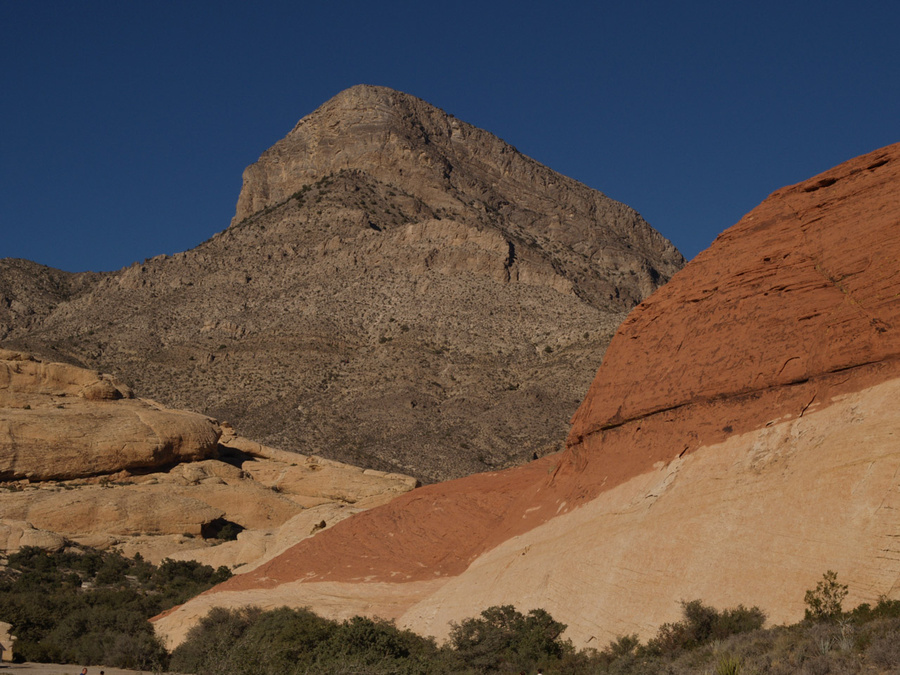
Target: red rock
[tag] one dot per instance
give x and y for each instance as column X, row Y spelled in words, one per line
column 792, row 293
column 805, row 284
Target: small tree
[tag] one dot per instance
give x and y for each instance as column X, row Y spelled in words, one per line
column 503, row 637
column 824, row 603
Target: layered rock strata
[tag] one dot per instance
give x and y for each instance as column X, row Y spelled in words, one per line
column 61, row 422
column 739, row 439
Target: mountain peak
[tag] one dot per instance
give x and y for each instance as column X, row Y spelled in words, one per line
column 395, row 282
column 362, row 102
column 459, row 172
column 370, row 94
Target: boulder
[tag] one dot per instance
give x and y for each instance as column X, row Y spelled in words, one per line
column 59, row 422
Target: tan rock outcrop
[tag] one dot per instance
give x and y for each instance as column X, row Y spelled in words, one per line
column 7, row 642
column 60, row 422
column 739, row 440
column 312, row 481
column 24, row 378
column 114, row 471
column 253, row 548
column 16, row 534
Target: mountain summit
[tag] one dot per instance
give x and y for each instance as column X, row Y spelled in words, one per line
column 459, row 172
column 397, row 290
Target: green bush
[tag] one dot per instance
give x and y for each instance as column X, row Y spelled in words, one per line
column 885, row 609
column 286, row 641
column 703, row 624
column 89, row 607
column 504, row 638
column 824, row 603
column 729, row 665
column 56, row 618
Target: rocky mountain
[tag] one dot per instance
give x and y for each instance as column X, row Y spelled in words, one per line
column 398, row 290
column 739, row 439
column 29, row 292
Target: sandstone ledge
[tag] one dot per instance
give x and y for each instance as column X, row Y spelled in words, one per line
column 60, row 422
column 113, row 471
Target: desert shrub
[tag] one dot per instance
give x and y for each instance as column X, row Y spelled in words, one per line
column 702, row 624
column 92, row 606
column 112, row 569
column 884, row 650
column 291, row 634
column 503, row 637
column 884, row 609
column 294, row 642
column 625, row 645
column 729, row 665
column 216, row 645
column 376, row 646
column 178, row 580
column 285, row 641
column 824, row 603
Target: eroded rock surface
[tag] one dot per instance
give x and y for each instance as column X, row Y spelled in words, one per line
column 62, row 422
column 811, row 288
column 739, row 439
column 83, row 461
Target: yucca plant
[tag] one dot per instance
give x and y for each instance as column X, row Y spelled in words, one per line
column 729, row 665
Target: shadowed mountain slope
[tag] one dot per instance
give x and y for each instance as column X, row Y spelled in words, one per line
column 398, row 290
column 739, row 439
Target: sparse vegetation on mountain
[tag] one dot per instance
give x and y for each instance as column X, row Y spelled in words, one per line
column 374, row 301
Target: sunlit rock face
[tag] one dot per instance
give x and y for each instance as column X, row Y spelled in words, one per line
column 739, row 439
column 83, row 461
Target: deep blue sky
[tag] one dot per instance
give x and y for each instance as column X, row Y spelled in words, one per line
column 126, row 125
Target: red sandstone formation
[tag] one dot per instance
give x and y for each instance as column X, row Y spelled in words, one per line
column 804, row 285
column 788, row 312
